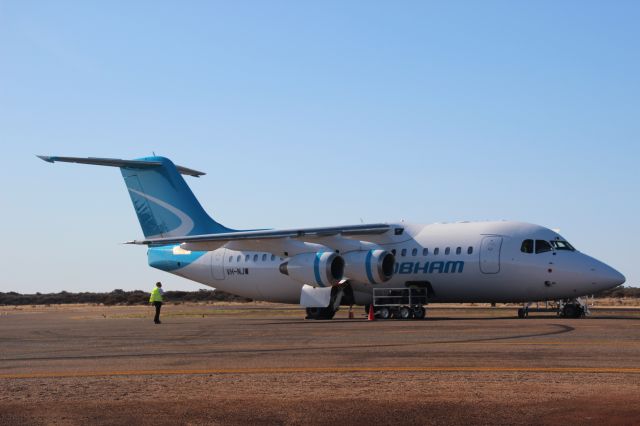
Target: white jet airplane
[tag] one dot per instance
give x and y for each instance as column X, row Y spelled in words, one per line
column 323, row 268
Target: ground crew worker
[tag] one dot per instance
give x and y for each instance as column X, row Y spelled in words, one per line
column 156, row 300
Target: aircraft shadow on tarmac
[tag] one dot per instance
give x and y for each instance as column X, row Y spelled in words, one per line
column 558, row 329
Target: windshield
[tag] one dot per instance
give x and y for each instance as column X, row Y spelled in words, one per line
column 542, row 246
column 562, row 245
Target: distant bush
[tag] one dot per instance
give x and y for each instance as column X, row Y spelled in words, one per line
column 139, row 297
column 116, row 297
column 619, row 292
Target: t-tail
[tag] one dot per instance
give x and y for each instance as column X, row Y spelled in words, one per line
column 164, row 203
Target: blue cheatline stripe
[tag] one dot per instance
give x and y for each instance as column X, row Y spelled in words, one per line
column 316, row 269
column 368, row 267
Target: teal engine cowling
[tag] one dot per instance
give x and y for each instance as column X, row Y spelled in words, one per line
column 321, row 269
column 369, row 266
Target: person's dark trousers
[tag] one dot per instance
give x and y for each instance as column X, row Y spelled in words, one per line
column 158, row 305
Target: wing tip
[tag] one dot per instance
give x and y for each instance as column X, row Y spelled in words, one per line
column 47, row 158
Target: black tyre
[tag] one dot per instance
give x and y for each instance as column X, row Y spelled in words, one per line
column 572, row 311
column 383, row 313
column 404, row 313
column 419, row 313
column 320, row 313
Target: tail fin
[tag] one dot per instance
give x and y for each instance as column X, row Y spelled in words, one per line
column 163, row 201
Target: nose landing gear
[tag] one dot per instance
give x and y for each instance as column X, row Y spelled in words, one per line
column 572, row 310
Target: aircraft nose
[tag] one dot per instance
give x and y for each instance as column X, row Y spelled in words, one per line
column 615, row 278
column 607, row 277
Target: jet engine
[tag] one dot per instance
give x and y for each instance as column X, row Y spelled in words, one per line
column 321, row 269
column 370, row 266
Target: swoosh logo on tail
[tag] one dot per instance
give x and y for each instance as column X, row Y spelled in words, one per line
column 186, row 223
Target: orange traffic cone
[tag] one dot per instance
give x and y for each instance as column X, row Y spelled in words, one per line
column 372, row 315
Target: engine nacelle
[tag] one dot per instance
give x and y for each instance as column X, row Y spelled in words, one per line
column 369, row 266
column 322, row 269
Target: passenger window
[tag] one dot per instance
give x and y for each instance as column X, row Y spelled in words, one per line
column 447, row 250
column 230, row 259
column 414, row 252
column 393, row 252
column 273, row 257
column 425, row 251
column 470, row 250
column 264, row 257
column 246, row 258
column 238, row 258
column 436, row 251
column 459, row 250
column 542, row 246
column 403, row 253
column 255, row 257
column 527, row 246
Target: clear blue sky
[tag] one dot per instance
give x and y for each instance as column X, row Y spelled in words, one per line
column 315, row 113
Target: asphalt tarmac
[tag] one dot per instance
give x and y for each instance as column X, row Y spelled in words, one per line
column 264, row 364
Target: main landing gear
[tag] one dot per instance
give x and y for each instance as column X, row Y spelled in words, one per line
column 339, row 294
column 320, row 313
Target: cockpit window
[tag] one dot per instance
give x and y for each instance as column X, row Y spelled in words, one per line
column 542, row 246
column 562, row 245
column 527, row 246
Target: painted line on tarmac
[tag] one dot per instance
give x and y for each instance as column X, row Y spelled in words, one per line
column 325, row 370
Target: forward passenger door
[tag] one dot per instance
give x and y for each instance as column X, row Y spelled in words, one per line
column 490, row 254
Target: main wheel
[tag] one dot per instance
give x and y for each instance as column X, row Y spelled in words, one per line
column 320, row 313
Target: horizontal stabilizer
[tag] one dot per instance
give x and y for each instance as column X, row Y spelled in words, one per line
column 116, row 162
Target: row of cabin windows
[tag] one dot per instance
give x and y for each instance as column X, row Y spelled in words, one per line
column 528, row 246
column 436, row 251
column 256, row 258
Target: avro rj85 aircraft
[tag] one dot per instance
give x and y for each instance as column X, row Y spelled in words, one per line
column 396, row 267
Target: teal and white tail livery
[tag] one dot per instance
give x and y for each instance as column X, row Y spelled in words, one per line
column 163, row 201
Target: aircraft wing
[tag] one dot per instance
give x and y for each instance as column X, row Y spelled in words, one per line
column 268, row 239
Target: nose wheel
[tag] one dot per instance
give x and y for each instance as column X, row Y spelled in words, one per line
column 572, row 310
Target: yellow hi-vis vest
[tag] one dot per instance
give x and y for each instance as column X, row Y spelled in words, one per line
column 156, row 296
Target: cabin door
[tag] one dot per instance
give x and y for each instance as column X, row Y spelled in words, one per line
column 217, row 264
column 490, row 254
